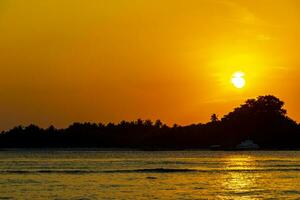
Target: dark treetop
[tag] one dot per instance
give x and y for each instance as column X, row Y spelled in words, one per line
column 262, row 120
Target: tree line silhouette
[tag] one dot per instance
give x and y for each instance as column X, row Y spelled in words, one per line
column 262, row 120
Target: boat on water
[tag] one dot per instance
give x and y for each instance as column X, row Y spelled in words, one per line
column 247, row 145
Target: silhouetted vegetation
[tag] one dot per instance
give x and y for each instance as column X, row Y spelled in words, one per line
column 262, row 120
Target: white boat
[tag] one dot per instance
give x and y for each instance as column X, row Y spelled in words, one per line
column 247, row 144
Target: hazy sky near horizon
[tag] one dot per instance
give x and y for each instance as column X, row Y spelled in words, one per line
column 73, row 60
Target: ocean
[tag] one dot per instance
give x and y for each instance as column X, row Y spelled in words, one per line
column 95, row 174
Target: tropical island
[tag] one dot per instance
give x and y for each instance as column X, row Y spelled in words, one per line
column 261, row 122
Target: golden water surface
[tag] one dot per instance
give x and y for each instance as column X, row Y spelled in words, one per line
column 81, row 174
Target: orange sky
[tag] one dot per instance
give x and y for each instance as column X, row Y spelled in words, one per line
column 73, row 60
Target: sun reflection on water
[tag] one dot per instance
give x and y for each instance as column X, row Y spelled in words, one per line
column 240, row 180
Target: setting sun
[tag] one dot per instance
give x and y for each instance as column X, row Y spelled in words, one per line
column 238, row 80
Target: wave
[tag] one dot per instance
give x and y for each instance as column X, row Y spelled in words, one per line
column 47, row 171
column 154, row 170
column 187, row 170
column 149, row 170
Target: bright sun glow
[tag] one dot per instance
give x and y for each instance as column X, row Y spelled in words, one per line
column 238, row 80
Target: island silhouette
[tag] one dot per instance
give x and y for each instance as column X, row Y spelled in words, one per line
column 262, row 122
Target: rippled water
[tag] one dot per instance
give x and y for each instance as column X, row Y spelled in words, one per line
column 149, row 175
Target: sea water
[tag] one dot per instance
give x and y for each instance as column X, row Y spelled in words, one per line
column 96, row 174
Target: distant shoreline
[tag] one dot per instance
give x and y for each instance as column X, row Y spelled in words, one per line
column 259, row 124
